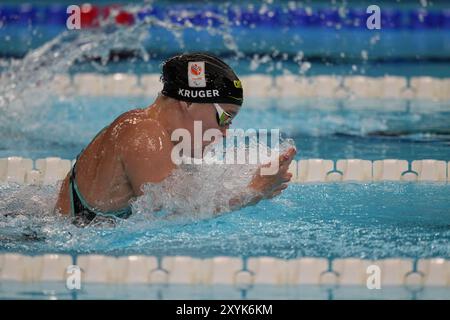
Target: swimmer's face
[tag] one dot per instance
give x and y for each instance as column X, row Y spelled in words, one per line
column 208, row 114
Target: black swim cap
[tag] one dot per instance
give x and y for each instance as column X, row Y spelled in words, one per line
column 200, row 77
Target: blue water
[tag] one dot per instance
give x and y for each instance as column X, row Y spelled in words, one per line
column 370, row 220
column 321, row 128
column 364, row 220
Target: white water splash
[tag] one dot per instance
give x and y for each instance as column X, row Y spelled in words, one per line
column 199, row 191
column 191, row 193
column 25, row 210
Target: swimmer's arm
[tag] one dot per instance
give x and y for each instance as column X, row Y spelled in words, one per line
column 145, row 154
column 63, row 203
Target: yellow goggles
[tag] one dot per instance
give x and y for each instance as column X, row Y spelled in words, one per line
column 223, row 118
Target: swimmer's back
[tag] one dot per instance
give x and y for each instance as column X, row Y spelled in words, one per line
column 101, row 177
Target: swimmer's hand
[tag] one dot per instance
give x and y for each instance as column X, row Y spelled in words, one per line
column 269, row 186
column 266, row 186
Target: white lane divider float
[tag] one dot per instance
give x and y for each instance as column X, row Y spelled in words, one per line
column 53, row 169
column 224, row 270
column 260, row 85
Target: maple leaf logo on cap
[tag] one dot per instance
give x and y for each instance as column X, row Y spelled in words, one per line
column 196, row 69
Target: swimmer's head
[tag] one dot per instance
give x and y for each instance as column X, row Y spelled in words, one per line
column 201, row 78
column 206, row 88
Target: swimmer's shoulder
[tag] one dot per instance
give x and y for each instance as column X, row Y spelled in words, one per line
column 140, row 131
column 135, row 123
column 143, row 146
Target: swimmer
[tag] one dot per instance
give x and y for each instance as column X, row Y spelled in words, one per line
column 136, row 147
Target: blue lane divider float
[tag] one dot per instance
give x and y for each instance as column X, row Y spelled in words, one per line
column 315, row 31
column 422, row 19
column 55, row 15
column 329, row 17
column 391, row 19
column 446, row 18
column 246, row 16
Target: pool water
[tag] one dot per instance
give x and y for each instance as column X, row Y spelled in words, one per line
column 365, row 220
column 360, row 220
column 321, row 128
column 370, row 220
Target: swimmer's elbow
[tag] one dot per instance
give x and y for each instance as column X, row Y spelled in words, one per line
column 62, row 205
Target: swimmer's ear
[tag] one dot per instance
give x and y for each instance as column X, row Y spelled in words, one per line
column 185, row 104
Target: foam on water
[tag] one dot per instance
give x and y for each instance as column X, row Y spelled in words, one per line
column 24, row 210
